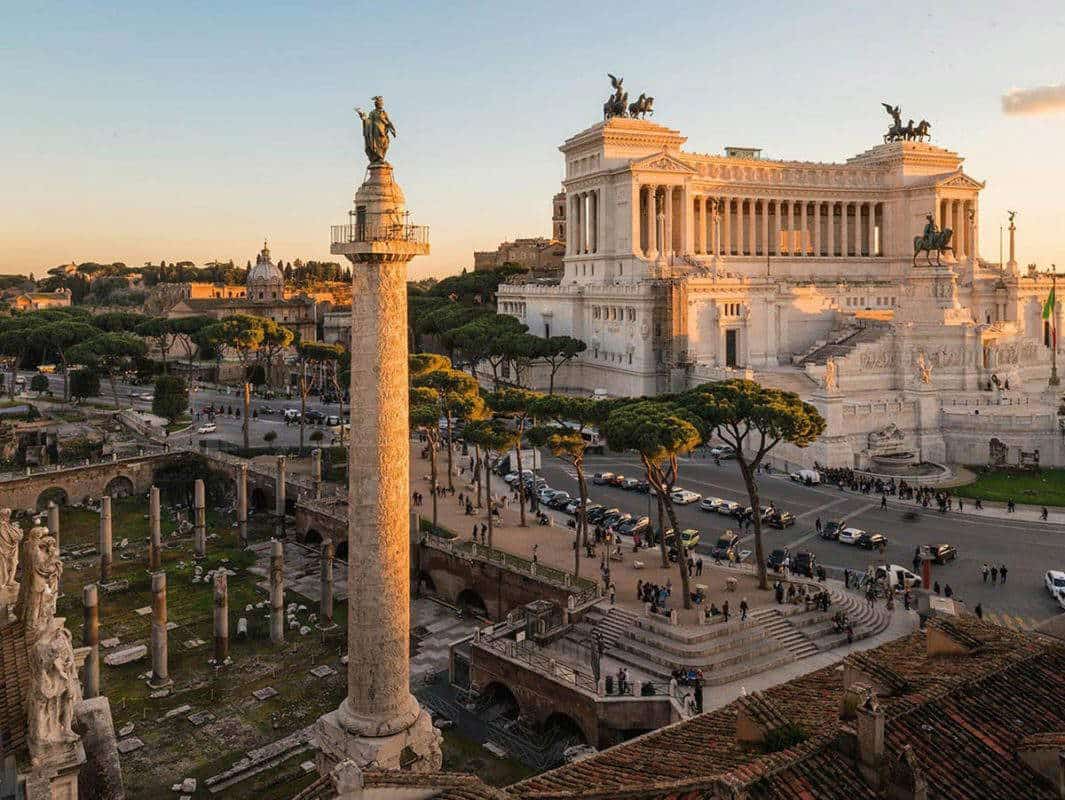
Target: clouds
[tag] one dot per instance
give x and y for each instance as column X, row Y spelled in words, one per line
column 1039, row 100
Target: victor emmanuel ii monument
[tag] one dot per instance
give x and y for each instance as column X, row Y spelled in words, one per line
column 858, row 285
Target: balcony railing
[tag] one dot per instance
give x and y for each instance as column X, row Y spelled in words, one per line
column 380, row 232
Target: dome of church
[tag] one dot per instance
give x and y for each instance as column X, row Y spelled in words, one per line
column 265, row 279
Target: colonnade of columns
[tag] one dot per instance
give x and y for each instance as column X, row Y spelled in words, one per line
column 663, row 221
column 765, row 226
column 956, row 214
column 583, row 223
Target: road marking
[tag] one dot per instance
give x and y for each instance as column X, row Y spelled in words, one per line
column 1015, row 623
column 842, row 500
column 813, row 533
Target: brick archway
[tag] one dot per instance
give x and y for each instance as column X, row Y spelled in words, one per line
column 120, row 486
column 55, row 494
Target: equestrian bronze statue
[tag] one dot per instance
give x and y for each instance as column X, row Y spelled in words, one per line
column 932, row 241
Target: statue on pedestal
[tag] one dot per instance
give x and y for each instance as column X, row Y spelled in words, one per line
column 54, row 691
column 831, row 375
column 376, row 126
column 924, row 370
column 39, row 592
column 10, row 539
column 933, row 240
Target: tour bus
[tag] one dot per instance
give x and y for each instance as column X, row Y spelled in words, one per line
column 592, row 442
column 46, row 369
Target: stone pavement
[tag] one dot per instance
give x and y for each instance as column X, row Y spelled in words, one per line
column 554, row 546
column 302, row 571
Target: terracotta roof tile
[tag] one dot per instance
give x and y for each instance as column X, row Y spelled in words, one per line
column 14, row 683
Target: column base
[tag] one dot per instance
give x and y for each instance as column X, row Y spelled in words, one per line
column 163, row 684
column 415, row 748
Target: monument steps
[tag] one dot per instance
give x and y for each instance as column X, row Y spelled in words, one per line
column 610, row 625
column 747, row 634
column 705, row 661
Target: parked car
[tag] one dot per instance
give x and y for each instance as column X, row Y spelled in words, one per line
column 630, row 484
column 332, row 420
column 849, row 535
column 872, row 541
column 900, row 578
column 729, row 507
column 636, row 525
column 710, row 504
column 1055, row 583
column 684, row 497
column 728, row 542
column 597, row 515
column 939, row 553
column 689, row 537
column 616, row 480
column 615, row 522
column 264, row 411
column 208, row 428
column 560, row 500
column 804, row 563
column 809, row 477
column 778, row 557
column 722, row 451
column 779, row 519
column 292, row 415
column 314, row 417
column 546, row 494
column 602, row 478
column 643, row 487
column 830, row 530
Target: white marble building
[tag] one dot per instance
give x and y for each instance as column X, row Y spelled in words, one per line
column 685, row 267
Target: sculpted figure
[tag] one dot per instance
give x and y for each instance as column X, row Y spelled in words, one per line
column 10, row 539
column 924, row 371
column 41, row 569
column 54, row 691
column 831, row 375
column 376, row 126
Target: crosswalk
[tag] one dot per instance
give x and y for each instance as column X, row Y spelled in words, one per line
column 1011, row 621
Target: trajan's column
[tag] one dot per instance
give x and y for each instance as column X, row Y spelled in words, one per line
column 379, row 724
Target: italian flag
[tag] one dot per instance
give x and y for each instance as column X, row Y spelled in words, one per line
column 1048, row 314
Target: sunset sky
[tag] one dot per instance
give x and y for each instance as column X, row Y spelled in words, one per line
column 181, row 131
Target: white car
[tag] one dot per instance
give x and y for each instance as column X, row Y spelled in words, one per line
column 728, row 507
column 807, row 476
column 722, row 451
column 850, row 535
column 546, row 495
column 1055, row 583
column 900, row 577
column 510, row 477
column 209, row 428
column 292, row 414
column 684, row 497
column 710, row 503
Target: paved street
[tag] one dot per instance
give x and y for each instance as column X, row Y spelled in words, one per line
column 1027, row 548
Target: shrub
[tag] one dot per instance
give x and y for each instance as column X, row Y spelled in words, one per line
column 270, row 436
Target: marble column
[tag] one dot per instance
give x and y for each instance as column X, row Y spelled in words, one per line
column 277, row 592
column 594, row 202
column 817, row 228
column 667, row 237
column 726, row 226
column 741, row 228
column 90, row 637
column 699, row 221
column 774, row 244
column 764, row 203
column 105, row 538
column 242, row 505
column 959, row 229
column 221, row 617
column 325, row 600
column 652, row 223
column 53, row 530
column 316, row 470
column 843, row 230
column 871, row 229
column 199, row 523
column 155, row 541
column 804, row 230
column 160, row 635
column 279, row 488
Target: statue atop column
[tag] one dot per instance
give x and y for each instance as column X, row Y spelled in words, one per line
column 376, row 126
column 897, row 132
column 39, row 592
column 933, row 240
column 831, row 375
column 53, row 692
column 924, row 369
column 10, row 539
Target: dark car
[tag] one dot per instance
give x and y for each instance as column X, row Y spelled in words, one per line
column 636, row 525
column 615, row 520
column 726, row 543
column 871, row 541
column 643, row 487
column 560, row 500
column 314, row 417
column 602, row 478
column 830, row 530
column 940, row 553
column 630, row 484
column 595, row 515
column 804, row 563
column 777, row 557
column 779, row 519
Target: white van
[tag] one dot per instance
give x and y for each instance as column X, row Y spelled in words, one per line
column 811, row 477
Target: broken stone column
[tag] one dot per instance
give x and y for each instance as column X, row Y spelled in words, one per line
column 155, row 545
column 316, row 470
column 90, row 637
column 160, row 644
column 242, row 506
column 279, row 489
column 199, row 530
column 325, row 602
column 53, row 529
column 105, row 538
column 221, row 617
column 277, row 592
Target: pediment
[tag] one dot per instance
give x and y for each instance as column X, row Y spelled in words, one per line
column 663, row 162
column 959, row 181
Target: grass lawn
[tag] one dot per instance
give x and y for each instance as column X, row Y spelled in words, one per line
column 179, row 424
column 1043, row 488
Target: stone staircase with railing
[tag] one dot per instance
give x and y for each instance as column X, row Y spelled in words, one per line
column 770, row 637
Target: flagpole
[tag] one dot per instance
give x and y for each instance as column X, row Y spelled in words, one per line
column 1054, row 381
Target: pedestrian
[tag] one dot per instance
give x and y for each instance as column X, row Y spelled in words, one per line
column 1043, row 514
column 883, row 502
column 959, row 504
column 724, row 610
column 613, row 593
column 846, row 579
column 947, row 591
column 743, row 609
column 699, row 566
column 979, row 611
column 639, row 588
column 985, row 571
column 906, row 599
column 818, row 526
column 994, row 575
column 779, row 591
column 1002, row 572
column 935, row 587
column 536, row 547
column 850, row 633
column 979, row 504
